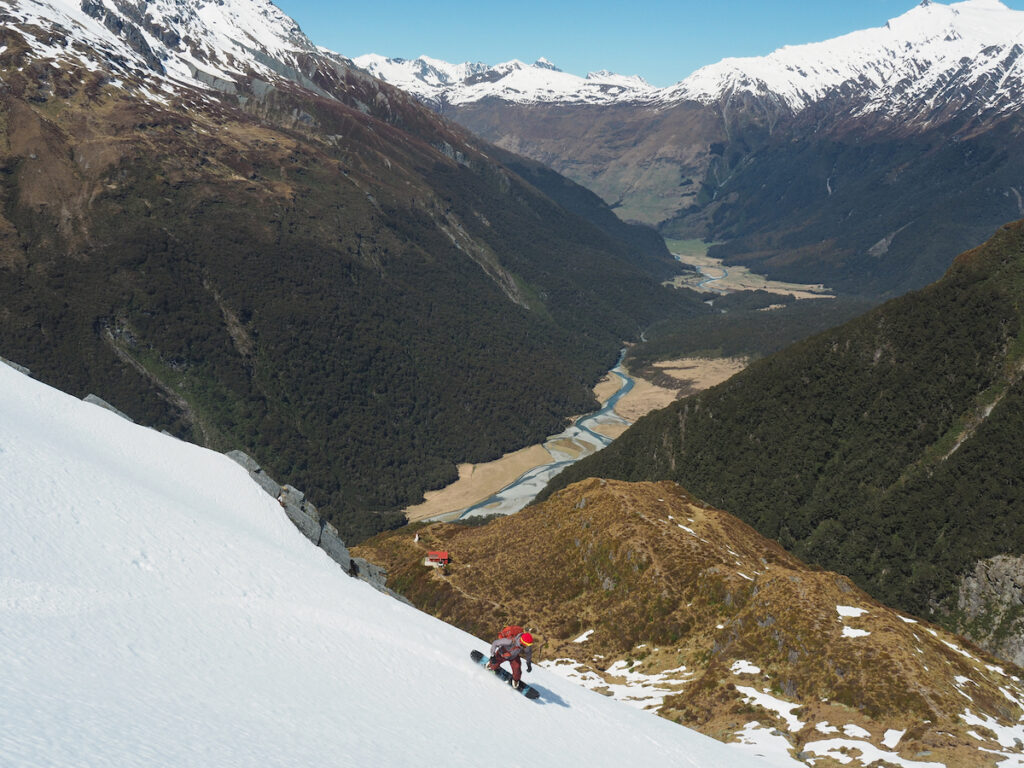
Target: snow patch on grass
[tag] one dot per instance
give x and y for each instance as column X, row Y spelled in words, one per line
column 760, row 741
column 850, row 611
column 1008, row 736
column 742, row 667
column 783, row 709
column 844, row 751
column 640, row 690
column 856, row 732
column 892, row 738
column 851, row 632
column 958, row 649
column 584, row 637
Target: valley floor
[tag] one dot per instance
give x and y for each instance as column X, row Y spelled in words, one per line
column 480, row 481
column 714, row 277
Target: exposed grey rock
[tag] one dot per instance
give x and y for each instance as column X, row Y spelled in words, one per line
column 307, row 519
column 374, row 574
column 990, row 601
column 332, row 544
column 96, row 400
column 247, row 462
column 256, row 472
column 260, row 88
column 224, row 86
column 15, row 366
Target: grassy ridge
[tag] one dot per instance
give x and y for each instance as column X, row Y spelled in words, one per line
column 613, row 576
column 839, row 447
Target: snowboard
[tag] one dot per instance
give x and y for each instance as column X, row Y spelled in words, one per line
column 527, row 690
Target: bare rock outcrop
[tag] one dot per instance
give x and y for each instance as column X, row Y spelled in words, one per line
column 991, row 602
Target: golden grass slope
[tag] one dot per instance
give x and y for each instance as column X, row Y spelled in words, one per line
column 681, row 593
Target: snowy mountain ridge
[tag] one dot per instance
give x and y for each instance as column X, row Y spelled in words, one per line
column 159, row 46
column 157, row 608
column 439, row 82
column 933, row 58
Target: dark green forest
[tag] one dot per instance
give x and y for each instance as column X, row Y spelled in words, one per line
column 739, row 325
column 359, row 304
column 888, row 449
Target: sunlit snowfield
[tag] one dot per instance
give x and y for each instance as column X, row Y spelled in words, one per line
column 157, row 608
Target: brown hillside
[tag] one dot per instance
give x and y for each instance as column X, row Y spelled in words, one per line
column 643, row 592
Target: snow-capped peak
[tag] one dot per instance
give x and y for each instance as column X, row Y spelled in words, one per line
column 159, row 45
column 935, row 60
column 513, row 81
column 634, row 82
column 933, row 57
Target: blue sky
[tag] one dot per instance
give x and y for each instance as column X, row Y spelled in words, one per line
column 660, row 40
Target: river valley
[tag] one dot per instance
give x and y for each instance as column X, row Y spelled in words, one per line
column 508, row 484
column 715, row 277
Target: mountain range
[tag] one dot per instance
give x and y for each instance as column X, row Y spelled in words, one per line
column 865, row 162
column 968, row 47
column 233, row 235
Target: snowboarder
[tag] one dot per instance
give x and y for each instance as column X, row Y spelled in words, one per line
column 512, row 643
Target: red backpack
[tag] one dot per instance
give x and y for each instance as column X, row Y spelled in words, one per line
column 510, row 631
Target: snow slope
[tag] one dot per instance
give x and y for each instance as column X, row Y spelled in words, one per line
column 168, row 43
column 157, row 608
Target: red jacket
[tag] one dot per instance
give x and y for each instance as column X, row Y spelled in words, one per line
column 505, row 648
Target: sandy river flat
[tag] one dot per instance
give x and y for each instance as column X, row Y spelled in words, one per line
column 739, row 278
column 480, row 481
column 692, row 374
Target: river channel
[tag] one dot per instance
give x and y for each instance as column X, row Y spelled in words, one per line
column 581, row 439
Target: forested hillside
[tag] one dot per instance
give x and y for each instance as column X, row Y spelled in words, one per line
column 889, row 449
column 314, row 269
